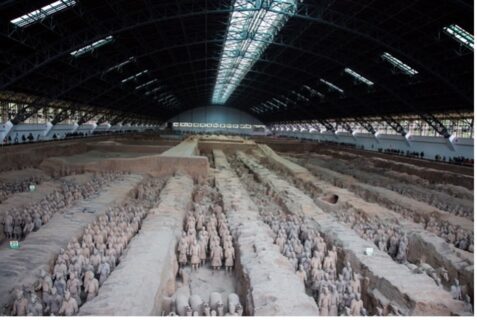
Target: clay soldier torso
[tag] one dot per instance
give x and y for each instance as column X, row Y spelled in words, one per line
column 324, row 304
column 217, row 256
column 104, row 271
column 74, row 287
column 356, row 285
column 20, row 307
column 202, row 249
column 356, row 306
column 195, row 251
column 8, row 225
column 92, row 289
column 35, row 308
column 54, row 303
column 229, row 256
column 69, row 307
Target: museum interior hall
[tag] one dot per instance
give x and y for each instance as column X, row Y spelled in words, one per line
column 236, row 158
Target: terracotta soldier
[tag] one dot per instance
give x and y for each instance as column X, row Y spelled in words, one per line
column 8, row 226
column 324, row 303
column 95, row 260
column 91, row 286
column 316, row 260
column 456, row 290
column 69, row 306
column 334, row 302
column 104, row 270
column 302, row 274
column 356, row 305
column 53, row 303
column 74, row 287
column 195, row 255
column 347, row 271
column 229, row 254
column 468, row 305
column 35, row 307
column 183, row 249
column 20, row 305
column 355, row 283
column 45, row 284
column 60, row 284
column 216, row 257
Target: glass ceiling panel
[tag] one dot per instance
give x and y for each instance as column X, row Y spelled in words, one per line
column 92, row 47
column 134, row 76
column 120, row 65
column 42, row 13
column 460, row 35
column 399, row 64
column 358, row 77
column 251, row 29
column 332, row 86
column 146, row 84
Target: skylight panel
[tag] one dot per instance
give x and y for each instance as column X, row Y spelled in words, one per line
column 399, row 64
column 91, row 47
column 313, row 92
column 134, row 76
column 460, row 35
column 120, row 65
column 146, row 84
column 300, row 96
column 42, row 13
column 153, row 90
column 283, row 104
column 332, row 86
column 249, row 33
column 358, row 77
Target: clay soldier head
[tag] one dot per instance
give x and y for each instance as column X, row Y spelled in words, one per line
column 239, row 310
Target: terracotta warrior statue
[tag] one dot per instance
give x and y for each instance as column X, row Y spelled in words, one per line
column 69, row 306
column 20, row 305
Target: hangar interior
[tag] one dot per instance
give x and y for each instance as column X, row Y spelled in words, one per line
column 236, row 157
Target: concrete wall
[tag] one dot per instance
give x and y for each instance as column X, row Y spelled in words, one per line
column 60, row 130
column 46, row 131
column 431, row 146
column 220, row 116
column 38, row 131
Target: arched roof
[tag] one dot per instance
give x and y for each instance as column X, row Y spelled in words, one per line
column 180, row 43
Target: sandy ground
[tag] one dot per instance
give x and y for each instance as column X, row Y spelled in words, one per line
column 95, row 155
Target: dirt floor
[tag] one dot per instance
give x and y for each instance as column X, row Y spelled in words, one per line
column 314, row 230
column 93, row 156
